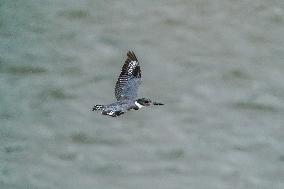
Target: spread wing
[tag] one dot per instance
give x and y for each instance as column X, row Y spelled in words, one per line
column 129, row 79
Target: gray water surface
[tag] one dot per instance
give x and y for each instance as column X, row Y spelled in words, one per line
column 217, row 65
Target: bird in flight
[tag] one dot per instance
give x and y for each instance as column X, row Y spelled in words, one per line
column 126, row 89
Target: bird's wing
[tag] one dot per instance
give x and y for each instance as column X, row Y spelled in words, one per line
column 129, row 79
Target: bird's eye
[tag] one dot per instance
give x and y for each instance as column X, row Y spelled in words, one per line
column 146, row 101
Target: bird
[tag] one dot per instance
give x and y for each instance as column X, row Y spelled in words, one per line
column 126, row 90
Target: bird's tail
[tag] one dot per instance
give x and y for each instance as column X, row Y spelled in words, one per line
column 98, row 107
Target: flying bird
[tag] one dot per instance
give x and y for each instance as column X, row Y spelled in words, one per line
column 126, row 89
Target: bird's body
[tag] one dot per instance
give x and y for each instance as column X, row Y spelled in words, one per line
column 126, row 90
column 117, row 108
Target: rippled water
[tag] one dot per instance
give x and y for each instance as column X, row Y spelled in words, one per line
column 217, row 65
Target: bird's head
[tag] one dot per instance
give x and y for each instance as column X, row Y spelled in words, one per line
column 141, row 102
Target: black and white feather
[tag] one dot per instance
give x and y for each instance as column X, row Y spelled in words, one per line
column 126, row 89
column 129, row 79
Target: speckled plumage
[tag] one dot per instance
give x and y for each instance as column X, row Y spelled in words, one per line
column 126, row 90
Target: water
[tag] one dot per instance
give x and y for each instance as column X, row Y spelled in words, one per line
column 217, row 65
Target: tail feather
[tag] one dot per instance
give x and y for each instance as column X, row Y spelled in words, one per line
column 98, row 107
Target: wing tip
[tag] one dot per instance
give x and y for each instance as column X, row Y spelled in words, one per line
column 131, row 55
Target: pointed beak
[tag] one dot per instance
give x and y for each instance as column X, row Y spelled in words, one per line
column 157, row 103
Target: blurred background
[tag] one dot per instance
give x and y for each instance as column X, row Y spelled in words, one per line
column 217, row 65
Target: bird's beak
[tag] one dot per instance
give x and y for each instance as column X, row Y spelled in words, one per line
column 157, row 103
